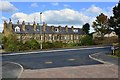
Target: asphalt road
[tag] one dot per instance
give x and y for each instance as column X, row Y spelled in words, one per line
column 55, row 59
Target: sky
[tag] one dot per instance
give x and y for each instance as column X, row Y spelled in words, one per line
column 55, row 13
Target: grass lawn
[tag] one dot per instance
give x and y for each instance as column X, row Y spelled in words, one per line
column 114, row 56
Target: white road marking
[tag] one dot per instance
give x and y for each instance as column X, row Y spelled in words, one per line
column 55, row 50
column 48, row 62
column 71, row 59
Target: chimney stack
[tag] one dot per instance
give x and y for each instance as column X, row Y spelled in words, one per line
column 23, row 25
column 72, row 28
column 29, row 23
column 34, row 25
column 59, row 27
column 5, row 25
column 18, row 22
column 10, row 24
column 66, row 28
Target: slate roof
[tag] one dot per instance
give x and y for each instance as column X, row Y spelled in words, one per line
column 30, row 30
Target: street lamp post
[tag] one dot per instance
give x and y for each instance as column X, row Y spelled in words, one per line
column 41, row 30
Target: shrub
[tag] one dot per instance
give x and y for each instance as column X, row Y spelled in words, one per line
column 72, row 44
column 10, row 43
column 57, row 44
column 86, row 40
column 117, row 53
column 31, row 44
column 47, row 45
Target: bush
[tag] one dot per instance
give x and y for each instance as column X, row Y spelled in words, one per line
column 117, row 53
column 47, row 45
column 86, row 40
column 10, row 43
column 31, row 44
column 72, row 44
column 57, row 44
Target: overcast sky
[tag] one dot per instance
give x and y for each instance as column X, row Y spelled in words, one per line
column 55, row 13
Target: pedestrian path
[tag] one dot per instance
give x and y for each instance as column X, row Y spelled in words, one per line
column 106, row 58
column 11, row 70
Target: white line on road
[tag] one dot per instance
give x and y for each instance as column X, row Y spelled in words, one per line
column 48, row 62
column 54, row 50
column 71, row 59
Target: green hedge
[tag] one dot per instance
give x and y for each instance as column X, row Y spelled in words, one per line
column 86, row 40
column 117, row 53
column 13, row 45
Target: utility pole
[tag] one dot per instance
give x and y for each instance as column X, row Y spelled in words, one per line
column 41, row 30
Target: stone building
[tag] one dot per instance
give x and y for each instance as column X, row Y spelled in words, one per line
column 49, row 33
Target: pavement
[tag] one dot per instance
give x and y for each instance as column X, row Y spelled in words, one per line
column 11, row 70
column 91, row 71
column 75, row 64
column 106, row 58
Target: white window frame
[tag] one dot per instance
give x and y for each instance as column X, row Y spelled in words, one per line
column 56, row 30
column 75, row 30
column 17, row 29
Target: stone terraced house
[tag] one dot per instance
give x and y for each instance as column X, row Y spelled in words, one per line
column 49, row 33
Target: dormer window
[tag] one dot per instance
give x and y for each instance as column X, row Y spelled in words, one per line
column 56, row 30
column 75, row 30
column 17, row 29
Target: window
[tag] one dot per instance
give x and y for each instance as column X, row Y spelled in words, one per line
column 17, row 29
column 56, row 30
column 37, row 29
column 75, row 30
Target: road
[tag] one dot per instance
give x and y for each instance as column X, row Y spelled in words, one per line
column 54, row 59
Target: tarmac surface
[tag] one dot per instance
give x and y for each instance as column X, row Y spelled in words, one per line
column 64, row 64
column 56, row 59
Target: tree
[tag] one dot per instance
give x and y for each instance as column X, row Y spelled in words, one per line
column 114, row 21
column 86, row 28
column 100, row 25
column 86, row 40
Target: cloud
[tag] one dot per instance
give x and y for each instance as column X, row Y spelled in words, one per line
column 94, row 10
column 6, row 6
column 64, row 16
column 4, row 18
column 20, row 16
column 55, row 4
column 34, row 5
column 1, row 27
